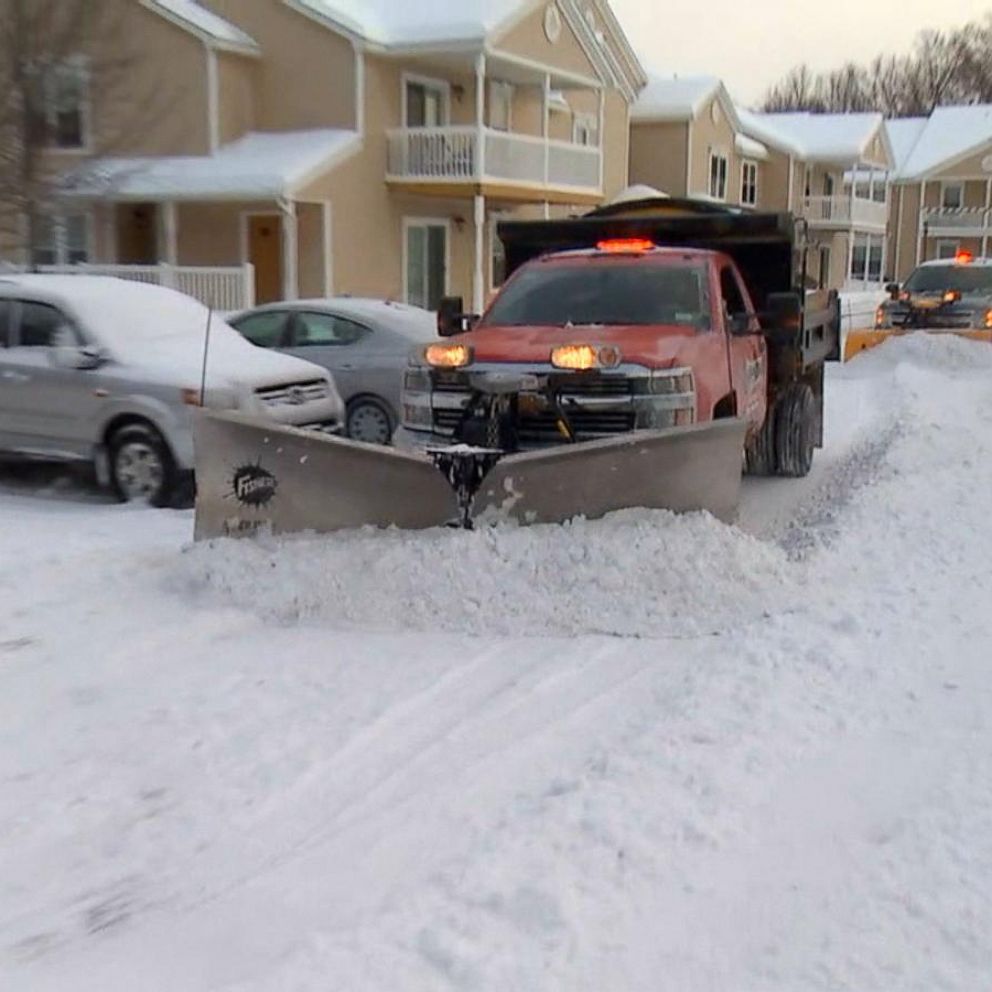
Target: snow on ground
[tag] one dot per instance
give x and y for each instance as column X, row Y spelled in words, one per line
column 645, row 753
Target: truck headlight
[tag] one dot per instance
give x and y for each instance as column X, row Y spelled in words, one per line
column 417, row 380
column 988, row 319
column 582, row 357
column 448, row 356
column 669, row 381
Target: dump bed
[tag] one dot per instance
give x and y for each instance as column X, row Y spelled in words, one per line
column 764, row 246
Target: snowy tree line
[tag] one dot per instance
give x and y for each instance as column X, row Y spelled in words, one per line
column 944, row 67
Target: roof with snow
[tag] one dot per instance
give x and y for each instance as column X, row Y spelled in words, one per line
column 261, row 165
column 674, row 98
column 825, row 137
column 950, row 134
column 205, row 24
column 393, row 23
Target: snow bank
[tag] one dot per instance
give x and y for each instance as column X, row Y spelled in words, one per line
column 636, row 573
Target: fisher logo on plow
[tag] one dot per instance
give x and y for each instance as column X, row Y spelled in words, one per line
column 254, row 486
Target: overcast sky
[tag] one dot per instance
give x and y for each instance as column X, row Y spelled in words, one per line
column 752, row 43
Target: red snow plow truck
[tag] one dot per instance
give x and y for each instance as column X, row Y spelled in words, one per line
column 640, row 355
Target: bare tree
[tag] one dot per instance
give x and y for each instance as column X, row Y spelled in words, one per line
column 944, row 67
column 67, row 95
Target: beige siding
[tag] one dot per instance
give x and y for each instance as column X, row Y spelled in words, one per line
column 236, row 78
column 658, row 156
column 527, row 39
column 773, row 182
column 907, row 231
column 310, row 236
column 616, row 143
column 970, row 166
column 211, row 233
column 306, row 78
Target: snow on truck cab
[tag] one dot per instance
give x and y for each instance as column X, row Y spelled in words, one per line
column 657, row 314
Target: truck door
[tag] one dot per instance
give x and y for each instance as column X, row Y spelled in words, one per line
column 747, row 352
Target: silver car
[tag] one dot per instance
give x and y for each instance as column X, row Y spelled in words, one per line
column 101, row 370
column 366, row 345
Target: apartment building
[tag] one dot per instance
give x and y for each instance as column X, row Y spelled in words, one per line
column 349, row 146
column 689, row 138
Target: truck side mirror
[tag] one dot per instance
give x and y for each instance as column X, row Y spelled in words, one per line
column 739, row 324
column 451, row 317
column 893, row 290
column 784, row 310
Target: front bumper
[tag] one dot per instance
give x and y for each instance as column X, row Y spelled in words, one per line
column 598, row 403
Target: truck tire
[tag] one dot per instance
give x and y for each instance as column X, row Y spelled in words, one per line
column 796, row 431
column 142, row 468
column 759, row 455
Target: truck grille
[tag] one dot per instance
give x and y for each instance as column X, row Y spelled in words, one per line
column 541, row 427
column 294, row 394
column 570, row 385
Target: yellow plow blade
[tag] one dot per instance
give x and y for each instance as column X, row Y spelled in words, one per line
column 861, row 339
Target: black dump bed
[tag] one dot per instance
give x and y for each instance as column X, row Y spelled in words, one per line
column 763, row 245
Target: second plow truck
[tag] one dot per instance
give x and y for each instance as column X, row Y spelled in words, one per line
column 639, row 356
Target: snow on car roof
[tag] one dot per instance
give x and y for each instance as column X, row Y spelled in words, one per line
column 193, row 17
column 673, row 97
column 948, row 135
column 390, row 23
column 256, row 165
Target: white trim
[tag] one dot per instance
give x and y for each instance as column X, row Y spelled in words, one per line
column 360, row 90
column 688, row 158
column 898, row 244
column 213, row 99
column 327, row 215
column 430, row 82
column 204, row 36
column 290, row 250
column 576, row 78
column 168, row 224
column 920, row 222
column 792, row 184
column 418, row 221
column 479, row 273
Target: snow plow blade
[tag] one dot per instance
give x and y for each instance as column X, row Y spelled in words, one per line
column 862, row 339
column 678, row 469
column 254, row 475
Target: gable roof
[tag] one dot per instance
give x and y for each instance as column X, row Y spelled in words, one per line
column 392, row 23
column 674, row 98
column 259, row 165
column 947, row 136
column 827, row 137
column 205, row 24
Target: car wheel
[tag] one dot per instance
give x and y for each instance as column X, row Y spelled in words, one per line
column 141, row 466
column 795, row 431
column 369, row 421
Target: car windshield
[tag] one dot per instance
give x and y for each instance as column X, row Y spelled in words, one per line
column 965, row 278
column 603, row 292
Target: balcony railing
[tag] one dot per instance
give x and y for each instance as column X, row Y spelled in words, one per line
column 958, row 221
column 452, row 154
column 842, row 211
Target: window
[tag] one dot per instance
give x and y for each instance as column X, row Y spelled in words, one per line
column 874, row 259
column 425, row 103
column 947, row 249
column 322, row 329
column 500, row 105
column 733, row 300
column 5, row 315
column 718, row 175
column 828, row 185
column 604, row 292
column 426, row 264
column 584, row 130
column 264, row 329
column 63, row 91
column 952, row 196
column 749, row 183
column 39, row 325
column 824, row 280
column 61, row 240
column 809, row 183
column 859, row 257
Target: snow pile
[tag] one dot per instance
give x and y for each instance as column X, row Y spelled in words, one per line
column 637, row 573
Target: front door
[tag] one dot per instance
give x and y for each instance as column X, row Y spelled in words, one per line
column 137, row 233
column 747, row 351
column 426, row 264
column 265, row 253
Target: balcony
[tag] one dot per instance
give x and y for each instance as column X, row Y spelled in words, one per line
column 845, row 212
column 467, row 160
column 957, row 222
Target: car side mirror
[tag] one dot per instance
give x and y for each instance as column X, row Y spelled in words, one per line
column 893, row 290
column 783, row 311
column 71, row 356
column 451, row 317
column 739, row 324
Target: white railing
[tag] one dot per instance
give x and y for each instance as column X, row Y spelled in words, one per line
column 842, row 211
column 452, row 154
column 957, row 220
column 223, row 288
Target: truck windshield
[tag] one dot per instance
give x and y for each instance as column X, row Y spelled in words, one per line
column 610, row 292
column 964, row 278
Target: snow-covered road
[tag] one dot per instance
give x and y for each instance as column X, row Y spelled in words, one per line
column 640, row 754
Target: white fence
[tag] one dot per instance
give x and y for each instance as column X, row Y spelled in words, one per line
column 842, row 211
column 222, row 288
column 452, row 154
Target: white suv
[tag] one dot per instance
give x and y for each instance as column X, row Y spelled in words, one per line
column 108, row 371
